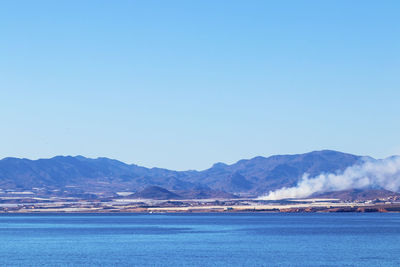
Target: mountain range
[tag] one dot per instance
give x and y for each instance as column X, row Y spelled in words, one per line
column 67, row 175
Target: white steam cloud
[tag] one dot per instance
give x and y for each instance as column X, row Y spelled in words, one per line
column 383, row 173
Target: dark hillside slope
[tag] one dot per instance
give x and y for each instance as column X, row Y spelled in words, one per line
column 259, row 175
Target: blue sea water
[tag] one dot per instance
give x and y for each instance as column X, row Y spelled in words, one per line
column 229, row 239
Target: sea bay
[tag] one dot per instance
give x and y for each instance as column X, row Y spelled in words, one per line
column 212, row 239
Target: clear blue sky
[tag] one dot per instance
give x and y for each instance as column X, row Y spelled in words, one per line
column 185, row 84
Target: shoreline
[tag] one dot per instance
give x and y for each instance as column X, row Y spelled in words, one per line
column 338, row 208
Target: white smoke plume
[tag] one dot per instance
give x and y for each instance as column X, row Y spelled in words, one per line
column 383, row 173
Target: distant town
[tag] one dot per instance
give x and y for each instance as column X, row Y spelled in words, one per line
column 33, row 202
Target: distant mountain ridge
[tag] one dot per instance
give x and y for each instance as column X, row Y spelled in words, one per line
column 77, row 175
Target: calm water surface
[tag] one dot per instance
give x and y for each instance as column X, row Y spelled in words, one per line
column 261, row 239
